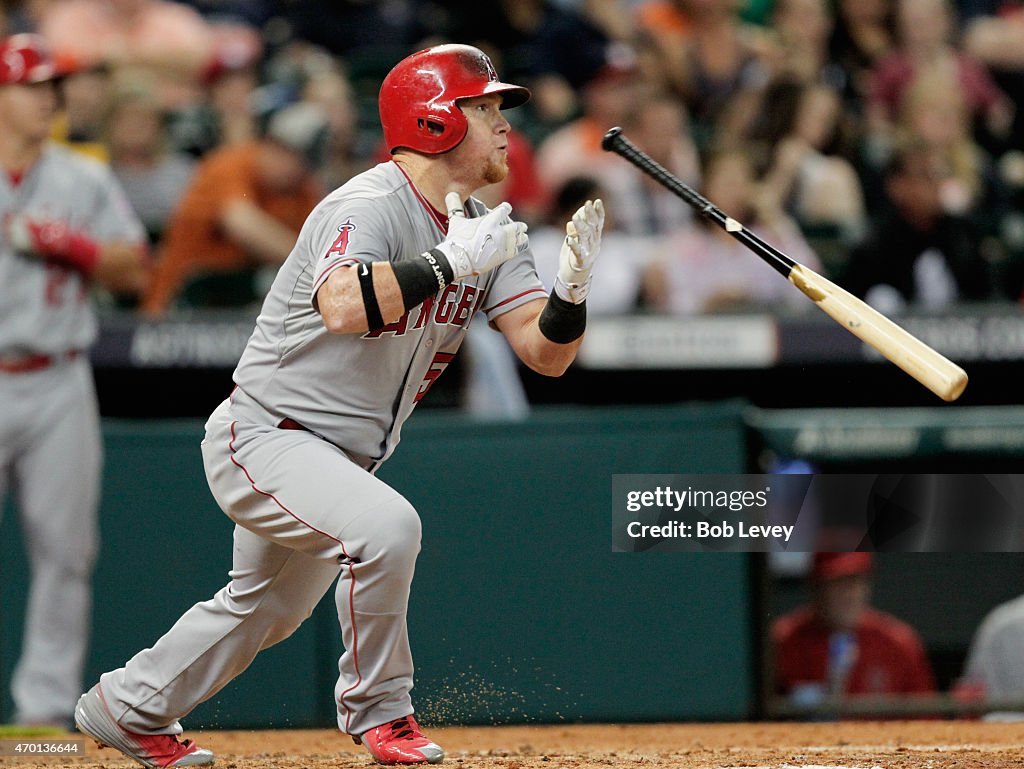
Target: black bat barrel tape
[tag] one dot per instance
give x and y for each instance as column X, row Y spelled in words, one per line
column 614, row 141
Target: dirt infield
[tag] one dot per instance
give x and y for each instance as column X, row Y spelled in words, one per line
column 889, row 745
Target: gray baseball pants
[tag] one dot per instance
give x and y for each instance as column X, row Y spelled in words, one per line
column 304, row 512
column 51, row 454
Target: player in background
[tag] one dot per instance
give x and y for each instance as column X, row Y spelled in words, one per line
column 64, row 223
column 366, row 312
column 838, row 645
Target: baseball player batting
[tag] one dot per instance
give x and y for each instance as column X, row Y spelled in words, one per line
column 367, row 311
column 64, row 222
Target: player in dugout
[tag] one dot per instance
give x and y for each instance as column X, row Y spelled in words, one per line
column 366, row 312
column 838, row 645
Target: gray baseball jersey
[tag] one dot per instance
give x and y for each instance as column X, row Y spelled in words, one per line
column 306, row 509
column 50, row 446
column 357, row 390
column 45, row 308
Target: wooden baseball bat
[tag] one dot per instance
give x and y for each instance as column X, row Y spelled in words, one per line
column 934, row 371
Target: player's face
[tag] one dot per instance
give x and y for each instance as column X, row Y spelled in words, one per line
column 842, row 601
column 484, row 151
column 27, row 111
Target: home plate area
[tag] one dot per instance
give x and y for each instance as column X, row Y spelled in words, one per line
column 921, row 744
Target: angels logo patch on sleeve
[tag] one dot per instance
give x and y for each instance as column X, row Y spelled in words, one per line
column 340, row 245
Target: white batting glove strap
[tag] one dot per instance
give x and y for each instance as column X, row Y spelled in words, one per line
column 458, row 258
column 575, row 293
column 581, row 245
column 474, row 246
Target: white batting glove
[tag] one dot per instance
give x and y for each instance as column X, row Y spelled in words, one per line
column 474, row 246
column 579, row 252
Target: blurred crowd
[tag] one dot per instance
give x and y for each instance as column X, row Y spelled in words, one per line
column 878, row 141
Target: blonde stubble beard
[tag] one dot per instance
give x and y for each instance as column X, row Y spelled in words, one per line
column 495, row 172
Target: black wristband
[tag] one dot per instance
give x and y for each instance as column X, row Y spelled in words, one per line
column 561, row 321
column 373, row 316
column 422, row 277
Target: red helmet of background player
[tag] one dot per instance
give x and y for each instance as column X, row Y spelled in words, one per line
column 827, row 566
column 418, row 97
column 25, row 58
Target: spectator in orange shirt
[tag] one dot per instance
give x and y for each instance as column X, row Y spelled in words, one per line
column 838, row 645
column 243, row 209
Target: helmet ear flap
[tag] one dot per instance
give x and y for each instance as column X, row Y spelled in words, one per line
column 430, row 127
column 440, row 130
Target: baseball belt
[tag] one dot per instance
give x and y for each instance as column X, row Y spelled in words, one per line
column 22, row 364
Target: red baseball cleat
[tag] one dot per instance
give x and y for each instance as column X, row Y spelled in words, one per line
column 157, row 751
column 400, row 742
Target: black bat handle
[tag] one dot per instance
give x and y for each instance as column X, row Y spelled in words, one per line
column 615, row 142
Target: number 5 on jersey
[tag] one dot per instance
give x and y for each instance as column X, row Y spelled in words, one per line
column 437, row 367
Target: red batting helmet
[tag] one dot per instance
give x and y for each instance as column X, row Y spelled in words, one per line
column 418, row 97
column 25, row 58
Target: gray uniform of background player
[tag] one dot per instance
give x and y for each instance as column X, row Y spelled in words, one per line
column 305, row 505
column 50, row 447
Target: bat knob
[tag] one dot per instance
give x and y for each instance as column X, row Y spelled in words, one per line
column 608, row 142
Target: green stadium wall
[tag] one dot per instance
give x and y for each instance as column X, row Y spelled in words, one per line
column 520, row 611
